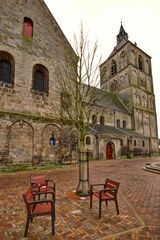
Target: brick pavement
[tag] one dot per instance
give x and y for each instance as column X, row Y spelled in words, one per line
column 139, row 203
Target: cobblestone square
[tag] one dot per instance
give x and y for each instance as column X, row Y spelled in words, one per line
column 138, row 197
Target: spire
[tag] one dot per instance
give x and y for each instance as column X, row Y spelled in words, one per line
column 122, row 35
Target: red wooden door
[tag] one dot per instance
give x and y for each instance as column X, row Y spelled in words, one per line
column 108, row 151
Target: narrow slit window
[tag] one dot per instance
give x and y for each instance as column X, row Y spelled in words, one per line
column 94, row 119
column 118, row 123
column 124, row 124
column 102, row 121
column 88, row 140
column 140, row 63
column 113, row 68
column 27, row 27
column 143, row 143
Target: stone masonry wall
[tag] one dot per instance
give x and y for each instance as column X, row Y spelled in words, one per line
column 48, row 47
column 24, row 113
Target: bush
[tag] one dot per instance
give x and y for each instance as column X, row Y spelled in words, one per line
column 16, row 168
column 124, row 151
column 137, row 152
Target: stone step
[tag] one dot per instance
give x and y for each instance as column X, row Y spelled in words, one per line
column 152, row 166
column 150, row 169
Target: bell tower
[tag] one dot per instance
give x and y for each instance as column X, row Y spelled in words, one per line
column 122, row 35
column 128, row 73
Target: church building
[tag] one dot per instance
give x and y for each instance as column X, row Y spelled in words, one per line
column 126, row 123
column 32, row 45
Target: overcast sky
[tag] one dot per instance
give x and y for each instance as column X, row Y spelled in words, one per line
column 102, row 18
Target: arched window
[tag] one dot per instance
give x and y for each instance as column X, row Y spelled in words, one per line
column 7, row 67
column 27, row 27
column 118, row 123
column 121, row 142
column 124, row 124
column 40, row 78
column 52, row 140
column 135, row 143
column 5, row 71
column 102, row 121
column 95, row 101
column 88, row 140
column 147, row 67
column 94, row 119
column 123, row 59
column 140, row 62
column 143, row 143
column 133, row 57
column 113, row 68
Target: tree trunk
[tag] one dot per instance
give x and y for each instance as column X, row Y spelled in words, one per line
column 83, row 188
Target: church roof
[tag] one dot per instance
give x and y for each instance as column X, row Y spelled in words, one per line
column 122, row 35
column 104, row 129
column 109, row 100
column 131, row 132
column 122, row 39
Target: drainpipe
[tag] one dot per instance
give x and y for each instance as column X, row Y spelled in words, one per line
column 97, row 147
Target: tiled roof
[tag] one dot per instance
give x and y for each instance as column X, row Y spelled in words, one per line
column 109, row 100
column 118, row 47
column 122, row 39
column 103, row 129
column 131, row 132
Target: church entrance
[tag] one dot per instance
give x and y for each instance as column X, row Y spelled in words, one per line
column 109, row 151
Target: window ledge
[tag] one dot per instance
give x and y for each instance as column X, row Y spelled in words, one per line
column 6, row 84
column 40, row 93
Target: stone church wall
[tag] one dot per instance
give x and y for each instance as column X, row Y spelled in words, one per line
column 28, row 117
column 25, row 113
column 48, row 47
column 28, row 141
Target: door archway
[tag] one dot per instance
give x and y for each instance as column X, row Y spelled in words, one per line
column 20, row 142
column 109, row 151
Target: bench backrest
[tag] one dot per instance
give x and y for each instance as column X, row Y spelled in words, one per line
column 110, row 183
column 40, row 180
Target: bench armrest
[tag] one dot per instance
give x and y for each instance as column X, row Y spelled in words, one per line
column 40, row 201
column 49, row 180
column 50, row 183
column 99, row 184
column 108, row 189
column 96, row 185
column 37, row 187
column 45, row 192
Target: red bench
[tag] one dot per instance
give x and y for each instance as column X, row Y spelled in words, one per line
column 107, row 193
column 42, row 184
column 36, row 208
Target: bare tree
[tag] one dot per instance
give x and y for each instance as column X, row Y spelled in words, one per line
column 76, row 88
